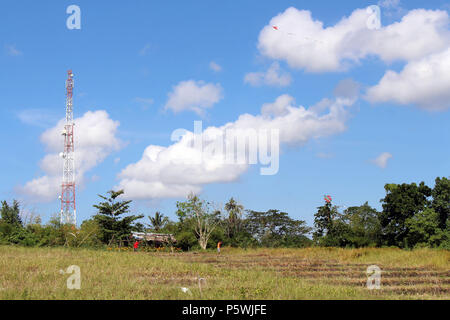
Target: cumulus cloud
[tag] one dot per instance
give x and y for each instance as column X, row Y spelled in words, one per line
column 215, row 67
column 382, row 159
column 194, row 96
column 304, row 42
column 95, row 138
column 272, row 77
column 421, row 39
column 425, row 82
column 180, row 168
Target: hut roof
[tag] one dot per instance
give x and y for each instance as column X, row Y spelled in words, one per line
column 157, row 237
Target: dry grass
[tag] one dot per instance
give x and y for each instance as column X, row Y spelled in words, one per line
column 312, row 273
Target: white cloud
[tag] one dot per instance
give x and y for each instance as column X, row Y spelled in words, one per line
column 215, row 67
column 421, row 39
column 382, row 159
column 272, row 77
column 425, row 82
column 278, row 107
column 304, row 43
column 165, row 172
column 194, row 96
column 95, row 138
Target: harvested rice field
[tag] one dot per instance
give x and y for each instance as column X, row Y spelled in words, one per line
column 310, row 273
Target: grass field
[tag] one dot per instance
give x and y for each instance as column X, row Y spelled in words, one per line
column 311, row 273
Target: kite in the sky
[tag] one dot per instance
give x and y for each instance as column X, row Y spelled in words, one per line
column 277, row 28
column 327, row 198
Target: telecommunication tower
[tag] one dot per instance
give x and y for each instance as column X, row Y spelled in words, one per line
column 68, row 208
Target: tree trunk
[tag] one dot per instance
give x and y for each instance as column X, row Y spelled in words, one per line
column 203, row 242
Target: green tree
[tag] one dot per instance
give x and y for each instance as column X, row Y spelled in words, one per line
column 402, row 201
column 53, row 233
column 274, row 228
column 234, row 220
column 11, row 226
column 114, row 227
column 200, row 217
column 11, row 214
column 441, row 200
column 364, row 228
column 424, row 229
column 323, row 221
column 158, row 222
column 89, row 233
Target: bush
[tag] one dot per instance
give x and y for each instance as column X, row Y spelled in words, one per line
column 186, row 240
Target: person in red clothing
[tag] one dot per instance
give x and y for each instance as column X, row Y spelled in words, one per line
column 136, row 245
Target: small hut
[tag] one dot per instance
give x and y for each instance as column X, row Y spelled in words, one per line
column 157, row 239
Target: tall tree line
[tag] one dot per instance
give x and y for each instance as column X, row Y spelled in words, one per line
column 412, row 215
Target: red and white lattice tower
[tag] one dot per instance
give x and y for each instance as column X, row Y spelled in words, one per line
column 68, row 208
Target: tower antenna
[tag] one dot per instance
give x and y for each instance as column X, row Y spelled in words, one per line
column 68, row 208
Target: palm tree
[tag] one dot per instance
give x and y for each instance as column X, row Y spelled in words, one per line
column 234, row 216
column 158, row 222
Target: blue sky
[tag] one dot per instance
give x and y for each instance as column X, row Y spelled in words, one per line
column 128, row 57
